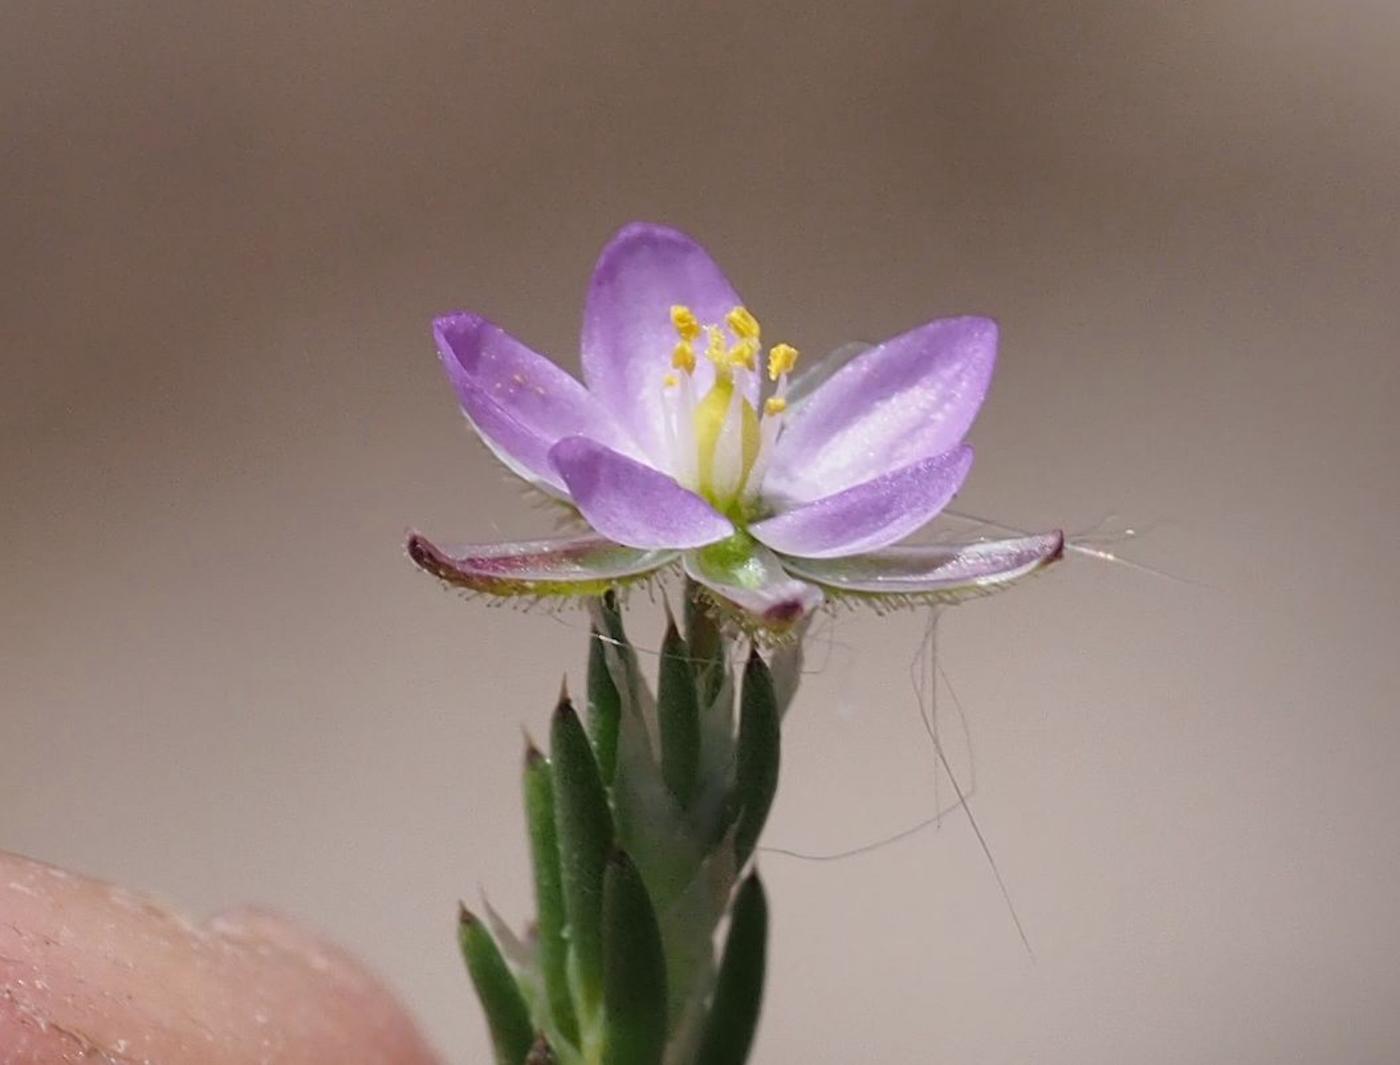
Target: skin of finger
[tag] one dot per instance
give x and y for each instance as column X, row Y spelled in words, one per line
column 93, row 973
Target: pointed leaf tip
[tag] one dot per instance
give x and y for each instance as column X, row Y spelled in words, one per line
column 541, row 1053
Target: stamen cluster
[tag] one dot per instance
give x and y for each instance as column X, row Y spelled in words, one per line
column 720, row 444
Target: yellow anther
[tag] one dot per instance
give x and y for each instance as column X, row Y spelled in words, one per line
column 715, row 348
column 774, row 405
column 744, row 324
column 781, row 359
column 670, row 380
column 744, row 353
column 687, row 325
column 683, row 358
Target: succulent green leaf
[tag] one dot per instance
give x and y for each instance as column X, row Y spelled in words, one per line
column 551, row 915
column 678, row 714
column 507, row 1015
column 758, row 756
column 604, row 706
column 634, row 969
column 733, row 1020
column 585, row 832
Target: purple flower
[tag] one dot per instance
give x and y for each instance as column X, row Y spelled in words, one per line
column 690, row 442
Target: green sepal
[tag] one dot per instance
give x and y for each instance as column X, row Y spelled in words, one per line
column 634, row 969
column 758, row 756
column 585, row 830
column 678, row 718
column 738, row 996
column 604, row 706
column 507, row 1015
column 551, row 916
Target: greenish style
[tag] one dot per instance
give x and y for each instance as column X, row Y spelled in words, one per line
column 642, row 827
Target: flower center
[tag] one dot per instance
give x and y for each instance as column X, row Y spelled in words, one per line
column 720, row 443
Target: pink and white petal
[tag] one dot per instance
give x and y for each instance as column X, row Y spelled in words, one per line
column 900, row 402
column 628, row 338
column 631, row 502
column 935, row 569
column 750, row 580
column 519, row 401
column 521, row 450
column 579, row 565
column 870, row 515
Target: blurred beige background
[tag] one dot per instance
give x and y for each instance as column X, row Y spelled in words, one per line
column 225, row 229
